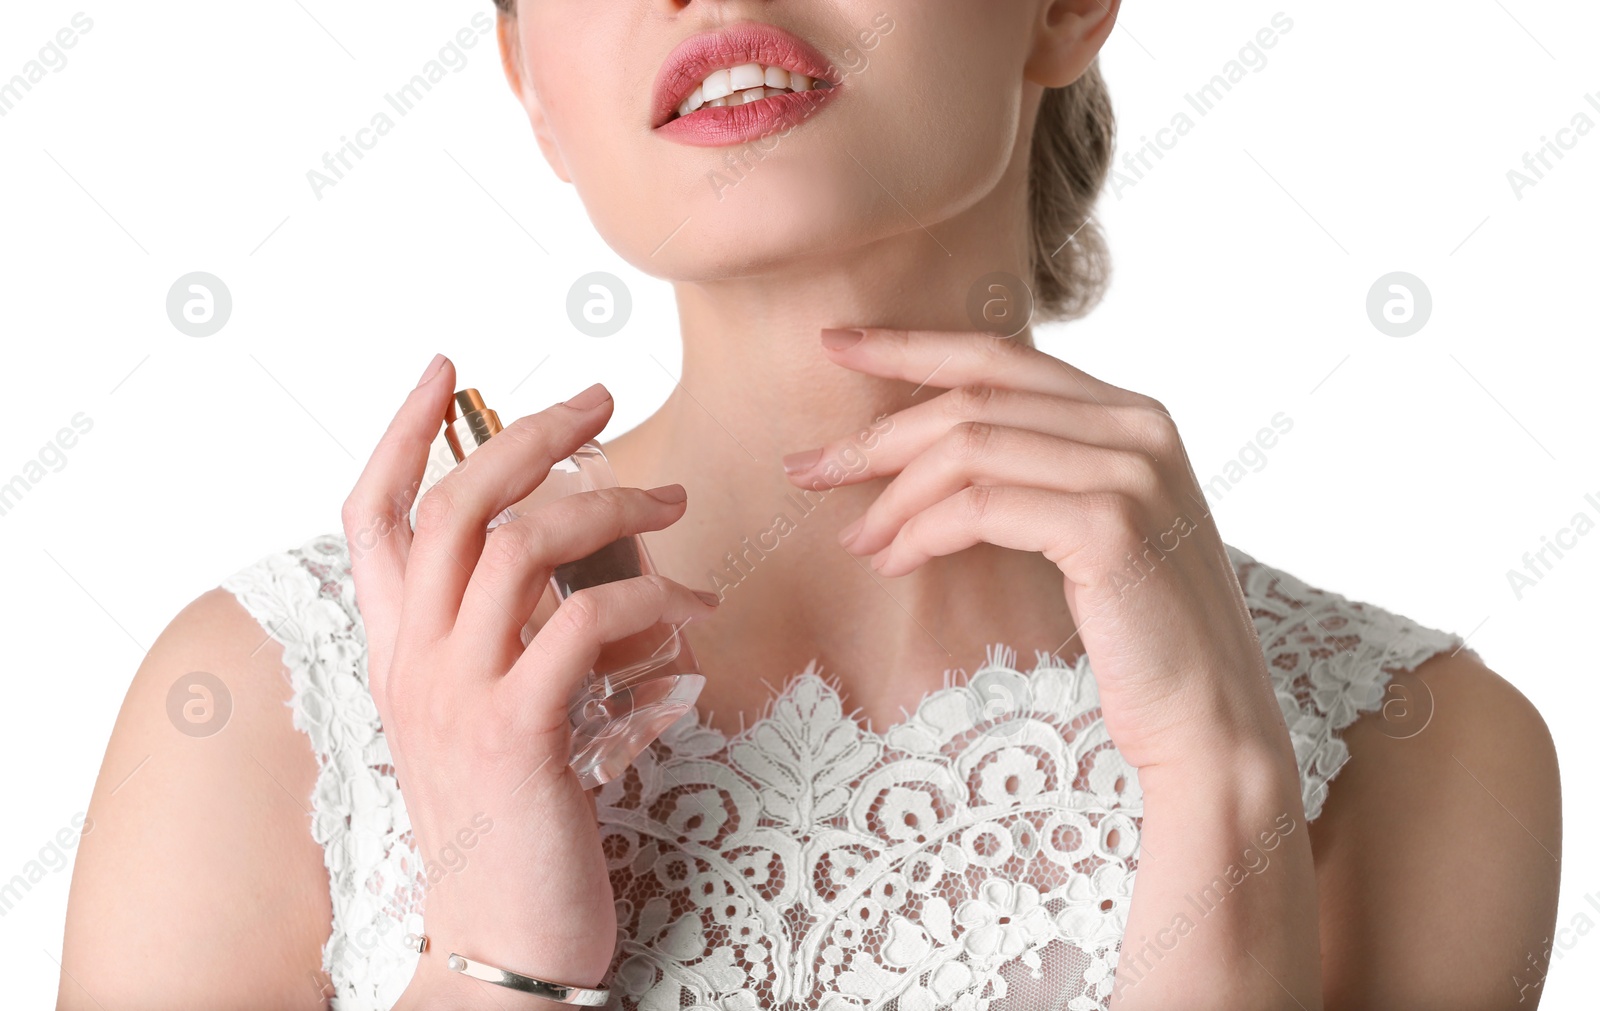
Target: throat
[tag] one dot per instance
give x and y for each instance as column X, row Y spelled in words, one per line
column 884, row 643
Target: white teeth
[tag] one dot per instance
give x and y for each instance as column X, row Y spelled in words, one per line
column 693, row 102
column 746, row 75
column 747, row 82
column 716, row 85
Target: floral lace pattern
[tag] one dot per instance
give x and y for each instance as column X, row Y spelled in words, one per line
column 305, row 599
column 978, row 855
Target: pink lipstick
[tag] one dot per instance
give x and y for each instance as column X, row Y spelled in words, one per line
column 738, row 84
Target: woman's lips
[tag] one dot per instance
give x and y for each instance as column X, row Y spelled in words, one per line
column 715, row 126
column 701, row 66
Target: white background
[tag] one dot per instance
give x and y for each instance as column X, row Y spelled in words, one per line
column 1377, row 138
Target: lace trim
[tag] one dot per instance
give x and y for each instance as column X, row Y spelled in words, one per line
column 305, row 599
column 981, row 848
column 1331, row 659
column 816, row 885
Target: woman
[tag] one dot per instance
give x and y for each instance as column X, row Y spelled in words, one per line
column 871, row 832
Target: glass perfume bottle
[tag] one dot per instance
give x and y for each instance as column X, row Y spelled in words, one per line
column 641, row 684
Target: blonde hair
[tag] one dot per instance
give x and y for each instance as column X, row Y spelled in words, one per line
column 1072, row 144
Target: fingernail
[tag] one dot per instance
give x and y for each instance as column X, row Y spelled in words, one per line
column 432, row 369
column 850, row 532
column 671, row 494
column 838, row 340
column 794, row 463
column 708, row 597
column 591, row 398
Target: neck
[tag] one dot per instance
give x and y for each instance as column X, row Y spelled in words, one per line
column 756, row 385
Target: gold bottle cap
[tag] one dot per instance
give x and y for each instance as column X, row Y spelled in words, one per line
column 467, row 411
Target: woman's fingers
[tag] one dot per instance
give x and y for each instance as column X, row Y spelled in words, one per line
column 518, row 556
column 453, row 517
column 957, row 358
column 903, row 436
column 979, row 453
column 565, row 648
column 376, row 513
column 1056, row 523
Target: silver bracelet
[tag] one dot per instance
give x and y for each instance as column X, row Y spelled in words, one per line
column 561, row 993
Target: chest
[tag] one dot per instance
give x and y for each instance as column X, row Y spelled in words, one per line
column 809, row 856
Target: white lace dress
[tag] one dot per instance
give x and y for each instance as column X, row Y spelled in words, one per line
column 980, row 854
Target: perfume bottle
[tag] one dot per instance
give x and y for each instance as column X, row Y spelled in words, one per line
column 641, row 684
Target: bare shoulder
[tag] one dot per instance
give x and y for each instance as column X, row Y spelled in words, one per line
column 1438, row 850
column 198, row 883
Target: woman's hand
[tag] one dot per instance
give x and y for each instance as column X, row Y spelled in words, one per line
column 1024, row 451
column 476, row 722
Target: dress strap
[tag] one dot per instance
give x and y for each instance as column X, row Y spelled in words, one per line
column 305, row 599
column 1333, row 659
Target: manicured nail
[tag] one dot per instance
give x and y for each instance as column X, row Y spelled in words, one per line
column 591, row 398
column 852, row 531
column 432, row 369
column 796, row 463
column 838, row 340
column 671, row 494
column 708, row 597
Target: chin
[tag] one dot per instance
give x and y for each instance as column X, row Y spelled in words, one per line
column 716, row 214
column 780, row 212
